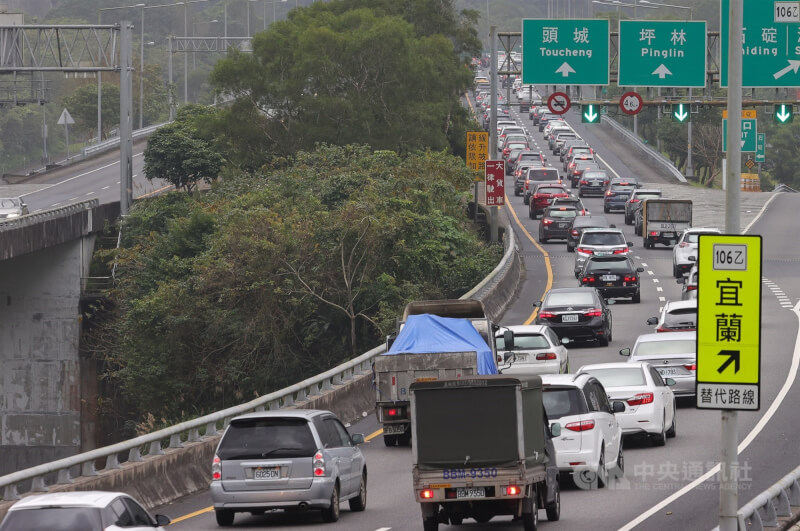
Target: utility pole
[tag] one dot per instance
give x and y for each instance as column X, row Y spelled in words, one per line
column 125, row 118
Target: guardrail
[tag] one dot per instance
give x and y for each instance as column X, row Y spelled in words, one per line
column 43, row 215
column 190, row 431
column 777, row 501
column 636, row 142
column 784, row 188
column 114, row 142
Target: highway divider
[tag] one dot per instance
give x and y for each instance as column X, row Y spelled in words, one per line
column 165, row 465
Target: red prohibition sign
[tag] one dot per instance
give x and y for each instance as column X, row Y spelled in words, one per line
column 558, row 102
column 631, row 103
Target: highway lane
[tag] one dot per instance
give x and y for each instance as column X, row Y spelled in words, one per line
column 94, row 178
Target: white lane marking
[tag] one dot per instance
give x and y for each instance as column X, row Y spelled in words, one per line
column 76, row 176
column 655, row 280
column 661, row 299
column 787, row 385
column 105, row 187
column 117, row 182
column 72, row 199
column 89, row 193
column 53, row 205
column 643, row 264
column 760, row 213
column 383, row 529
column 607, row 166
column 650, row 272
column 659, row 288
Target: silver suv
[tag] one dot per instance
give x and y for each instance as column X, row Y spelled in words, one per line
column 599, row 242
column 293, row 460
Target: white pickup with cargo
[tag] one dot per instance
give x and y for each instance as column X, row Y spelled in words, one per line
column 436, row 340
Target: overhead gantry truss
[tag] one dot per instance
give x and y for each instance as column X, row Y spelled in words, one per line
column 68, row 48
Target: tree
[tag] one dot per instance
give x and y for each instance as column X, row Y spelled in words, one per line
column 176, row 155
column 783, row 156
column 82, row 105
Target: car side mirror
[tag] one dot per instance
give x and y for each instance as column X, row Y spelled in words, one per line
column 508, row 339
column 357, row 438
column 163, row 520
column 555, row 429
column 618, row 406
column 652, row 320
column 640, row 270
column 612, row 226
column 670, row 382
column 693, row 259
column 625, row 352
column 630, row 244
column 565, row 341
column 681, row 280
column 537, row 304
column 611, row 301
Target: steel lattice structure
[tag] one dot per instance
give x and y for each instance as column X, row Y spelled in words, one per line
column 68, row 48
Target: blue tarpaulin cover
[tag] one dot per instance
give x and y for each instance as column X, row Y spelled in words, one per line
column 427, row 334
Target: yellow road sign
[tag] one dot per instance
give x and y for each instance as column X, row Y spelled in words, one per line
column 477, row 151
column 728, row 322
column 746, row 113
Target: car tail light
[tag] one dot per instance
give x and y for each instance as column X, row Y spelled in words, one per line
column 588, row 279
column 640, row 399
column 691, row 288
column 216, row 469
column 574, row 232
column 584, row 182
column 584, row 251
column 594, row 312
column 662, row 329
column 513, row 490
column 653, row 233
column 319, row 464
column 583, row 425
column 608, row 192
column 621, row 251
column 547, row 221
column 542, row 356
column 605, row 183
column 527, row 184
column 635, row 200
column 630, row 279
column 547, row 315
column 426, row 494
column 690, row 367
column 683, row 245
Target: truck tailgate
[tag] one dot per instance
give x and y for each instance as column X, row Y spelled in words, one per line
column 395, row 373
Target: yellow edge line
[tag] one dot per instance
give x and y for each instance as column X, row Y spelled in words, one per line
column 211, row 508
column 546, row 255
column 154, row 192
column 192, row 515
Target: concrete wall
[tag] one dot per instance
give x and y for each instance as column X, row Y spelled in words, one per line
column 40, row 391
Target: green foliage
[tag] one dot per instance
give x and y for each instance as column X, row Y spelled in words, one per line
column 348, row 71
column 177, row 154
column 82, row 105
column 269, row 279
column 782, row 154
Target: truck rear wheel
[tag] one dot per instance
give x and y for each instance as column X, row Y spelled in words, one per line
column 530, row 520
column 405, row 438
column 430, row 524
column 390, row 440
column 553, row 508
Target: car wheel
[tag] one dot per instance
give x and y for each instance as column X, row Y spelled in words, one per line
column 359, row 503
column 516, row 193
column 482, row 518
column 430, row 524
column 530, row 214
column 636, row 297
column 525, row 200
column 570, row 249
column 673, row 430
column 627, row 220
column 331, row 514
column 606, row 210
column 604, row 340
column 405, row 438
column 390, row 440
column 456, row 520
column 660, row 439
column 619, row 470
column 224, row 517
column 580, row 194
column 542, row 240
column 675, row 271
column 553, row 508
column 531, row 520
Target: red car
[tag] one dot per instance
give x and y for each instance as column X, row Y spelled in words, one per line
column 542, row 196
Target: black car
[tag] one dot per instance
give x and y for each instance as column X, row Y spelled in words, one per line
column 556, row 222
column 592, row 183
column 634, row 202
column 577, row 314
column 579, row 168
column 617, row 193
column 580, row 224
column 612, row 276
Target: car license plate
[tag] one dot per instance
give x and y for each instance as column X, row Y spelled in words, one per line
column 473, row 492
column 394, row 429
column 569, row 318
column 267, row 473
column 602, row 253
column 668, row 235
column 562, row 225
column 667, row 371
column 609, row 278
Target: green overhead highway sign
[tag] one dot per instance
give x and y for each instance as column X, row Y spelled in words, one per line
column 784, row 113
column 590, row 114
column 749, row 130
column 565, row 52
column 681, row 113
column 761, row 142
column 662, row 53
column 770, row 47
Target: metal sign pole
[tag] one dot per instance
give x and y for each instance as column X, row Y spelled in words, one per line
column 728, row 484
column 125, row 119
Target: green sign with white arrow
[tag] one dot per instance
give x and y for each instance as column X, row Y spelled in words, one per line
column 681, row 113
column 761, row 144
column 590, row 114
column 565, row 52
column 662, row 53
column 784, row 113
column 770, row 47
column 749, row 135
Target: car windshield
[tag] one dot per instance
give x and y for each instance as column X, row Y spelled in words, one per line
column 562, row 402
column 692, row 237
column 570, row 298
column 53, row 519
column 550, row 190
column 608, row 265
column 8, row 202
column 683, row 317
column 619, row 377
column 648, row 196
column 524, row 342
column 669, row 346
column 602, row 238
column 566, row 213
column 267, row 437
column 594, row 175
column 543, row 175
column 530, row 156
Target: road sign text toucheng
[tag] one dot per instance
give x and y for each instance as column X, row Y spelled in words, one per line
column 571, row 52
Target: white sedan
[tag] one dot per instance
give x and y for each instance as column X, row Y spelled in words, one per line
column 536, row 349
column 687, row 248
column 649, row 401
